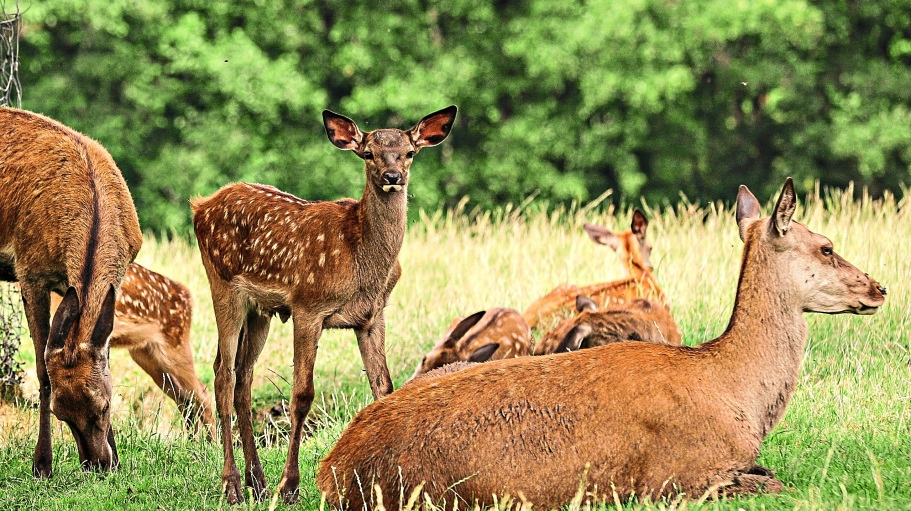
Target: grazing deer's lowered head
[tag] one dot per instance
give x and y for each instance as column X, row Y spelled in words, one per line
column 627, row 418
column 634, row 252
column 638, row 320
column 485, row 335
column 322, row 264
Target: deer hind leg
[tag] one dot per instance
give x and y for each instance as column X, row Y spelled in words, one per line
column 758, row 479
column 37, row 303
column 256, row 330
column 229, row 314
column 307, row 330
column 371, row 341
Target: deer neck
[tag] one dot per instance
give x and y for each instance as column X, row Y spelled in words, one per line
column 763, row 345
column 383, row 218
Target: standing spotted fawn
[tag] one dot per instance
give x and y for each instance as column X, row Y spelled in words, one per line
column 323, row 264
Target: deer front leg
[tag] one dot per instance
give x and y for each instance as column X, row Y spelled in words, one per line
column 371, row 341
column 307, row 330
column 37, row 303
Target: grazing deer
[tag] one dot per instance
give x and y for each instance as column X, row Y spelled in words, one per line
column 152, row 316
column 485, row 335
column 638, row 320
column 631, row 417
column 323, row 264
column 633, row 250
column 67, row 224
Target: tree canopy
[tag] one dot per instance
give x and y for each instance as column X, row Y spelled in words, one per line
column 652, row 98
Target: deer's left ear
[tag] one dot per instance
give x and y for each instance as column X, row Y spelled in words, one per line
column 573, row 339
column 433, row 128
column 784, row 209
column 639, row 224
column 484, row 353
column 105, row 324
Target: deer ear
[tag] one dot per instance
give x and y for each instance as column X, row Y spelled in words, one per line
column 342, row 131
column 573, row 339
column 639, row 224
column 602, row 235
column 784, row 209
column 64, row 319
column 484, row 353
column 747, row 210
column 464, row 326
column 434, row 128
column 105, row 324
column 584, row 303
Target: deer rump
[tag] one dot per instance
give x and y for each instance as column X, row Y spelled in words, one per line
column 592, row 427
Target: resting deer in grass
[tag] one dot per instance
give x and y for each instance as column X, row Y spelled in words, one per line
column 323, row 264
column 631, row 417
column 638, row 320
column 485, row 335
column 152, row 316
column 67, row 224
column 634, row 252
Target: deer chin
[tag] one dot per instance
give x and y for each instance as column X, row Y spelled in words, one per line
column 392, row 188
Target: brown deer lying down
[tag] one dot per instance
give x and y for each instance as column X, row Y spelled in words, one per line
column 324, row 264
column 637, row 417
column 638, row 320
column 67, row 224
column 152, row 318
column 634, row 252
column 485, row 335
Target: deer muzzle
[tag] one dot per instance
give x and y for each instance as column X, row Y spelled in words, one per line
column 392, row 181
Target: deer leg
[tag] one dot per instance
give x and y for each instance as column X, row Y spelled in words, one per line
column 173, row 371
column 256, row 331
column 37, row 303
column 371, row 341
column 758, row 479
column 229, row 320
column 307, row 331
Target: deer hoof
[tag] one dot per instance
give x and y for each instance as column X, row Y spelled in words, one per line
column 234, row 491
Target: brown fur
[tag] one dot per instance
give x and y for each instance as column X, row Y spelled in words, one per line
column 634, row 252
column 465, row 336
column 152, row 318
column 441, row 371
column 638, row 320
column 67, row 224
column 637, row 417
column 324, row 264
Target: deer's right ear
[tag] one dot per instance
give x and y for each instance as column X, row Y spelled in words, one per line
column 747, row 210
column 584, row 303
column 464, row 326
column 434, row 128
column 602, row 235
column 639, row 224
column 484, row 353
column 573, row 339
column 64, row 319
column 342, row 131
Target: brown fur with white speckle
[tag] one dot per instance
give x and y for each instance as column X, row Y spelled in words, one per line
column 631, row 417
column 67, row 224
column 323, row 264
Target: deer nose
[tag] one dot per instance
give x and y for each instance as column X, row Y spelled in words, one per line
column 392, row 178
column 882, row 289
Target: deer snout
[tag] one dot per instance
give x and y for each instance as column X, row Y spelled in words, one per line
column 392, row 181
column 881, row 288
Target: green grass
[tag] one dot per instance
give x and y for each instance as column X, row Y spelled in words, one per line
column 843, row 444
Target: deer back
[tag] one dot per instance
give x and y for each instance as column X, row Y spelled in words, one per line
column 494, row 334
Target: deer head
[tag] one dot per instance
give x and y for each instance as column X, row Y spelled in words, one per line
column 632, row 248
column 388, row 153
column 819, row 280
column 80, row 377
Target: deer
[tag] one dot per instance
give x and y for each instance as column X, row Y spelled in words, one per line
column 493, row 334
column 152, row 317
column 637, row 418
column 634, row 252
column 321, row 264
column 638, row 320
column 68, row 225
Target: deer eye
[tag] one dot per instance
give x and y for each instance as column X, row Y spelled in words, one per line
column 826, row 251
column 368, row 155
column 409, row 155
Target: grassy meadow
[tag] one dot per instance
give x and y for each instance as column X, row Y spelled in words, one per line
column 844, row 443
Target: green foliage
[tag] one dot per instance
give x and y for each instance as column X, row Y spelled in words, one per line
column 564, row 99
